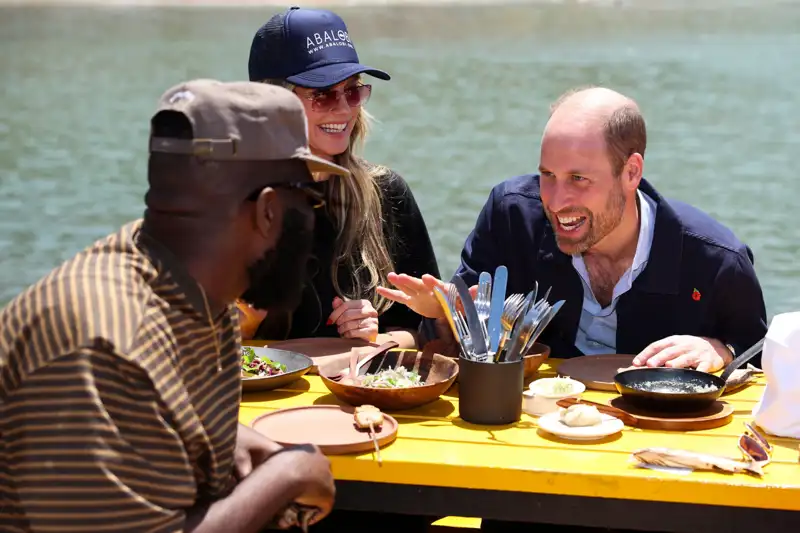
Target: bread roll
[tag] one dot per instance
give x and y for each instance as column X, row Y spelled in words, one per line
column 581, row 415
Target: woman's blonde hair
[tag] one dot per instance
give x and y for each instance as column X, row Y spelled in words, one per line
column 355, row 206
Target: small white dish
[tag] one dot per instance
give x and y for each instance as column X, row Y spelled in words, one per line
column 537, row 403
column 552, row 424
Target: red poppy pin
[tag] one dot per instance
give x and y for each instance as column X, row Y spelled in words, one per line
column 696, row 295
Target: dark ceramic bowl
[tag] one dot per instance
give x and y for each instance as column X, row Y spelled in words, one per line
column 296, row 366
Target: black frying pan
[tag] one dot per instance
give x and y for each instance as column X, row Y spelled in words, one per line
column 677, row 389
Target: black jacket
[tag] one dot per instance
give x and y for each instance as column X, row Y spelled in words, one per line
column 699, row 279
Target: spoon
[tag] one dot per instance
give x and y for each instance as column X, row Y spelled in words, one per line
column 356, row 365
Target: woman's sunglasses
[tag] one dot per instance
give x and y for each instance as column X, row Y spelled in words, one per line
column 754, row 445
column 314, row 192
column 327, row 100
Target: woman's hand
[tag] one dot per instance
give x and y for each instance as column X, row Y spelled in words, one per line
column 355, row 319
column 249, row 319
column 415, row 293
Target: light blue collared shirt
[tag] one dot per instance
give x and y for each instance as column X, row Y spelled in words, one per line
column 597, row 331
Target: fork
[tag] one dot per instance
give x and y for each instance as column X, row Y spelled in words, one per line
column 546, row 294
column 511, row 311
column 461, row 324
column 459, row 320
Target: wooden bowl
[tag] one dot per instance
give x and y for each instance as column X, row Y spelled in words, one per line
column 438, row 372
column 536, row 356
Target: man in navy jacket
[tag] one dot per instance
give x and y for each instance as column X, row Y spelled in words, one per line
column 640, row 274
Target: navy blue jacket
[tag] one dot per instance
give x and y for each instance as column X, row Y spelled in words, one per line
column 690, row 252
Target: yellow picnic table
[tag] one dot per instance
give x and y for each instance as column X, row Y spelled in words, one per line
column 442, row 466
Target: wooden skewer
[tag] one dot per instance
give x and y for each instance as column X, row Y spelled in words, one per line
column 367, row 422
column 375, row 442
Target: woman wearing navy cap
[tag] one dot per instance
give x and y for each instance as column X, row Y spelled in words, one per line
column 371, row 224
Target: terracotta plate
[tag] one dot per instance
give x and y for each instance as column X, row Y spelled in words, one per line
column 330, row 427
column 596, row 371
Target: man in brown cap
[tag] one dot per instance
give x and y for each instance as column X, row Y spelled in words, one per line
column 119, row 371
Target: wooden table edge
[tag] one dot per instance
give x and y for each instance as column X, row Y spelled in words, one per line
column 609, row 512
column 641, row 489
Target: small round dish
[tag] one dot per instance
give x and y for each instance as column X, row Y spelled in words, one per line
column 537, row 402
column 551, row 423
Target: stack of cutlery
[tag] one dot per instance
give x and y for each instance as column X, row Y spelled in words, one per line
column 492, row 328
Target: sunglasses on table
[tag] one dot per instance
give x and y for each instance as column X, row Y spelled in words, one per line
column 314, row 192
column 754, row 445
column 327, row 99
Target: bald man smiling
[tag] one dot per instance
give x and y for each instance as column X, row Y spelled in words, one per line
column 640, row 274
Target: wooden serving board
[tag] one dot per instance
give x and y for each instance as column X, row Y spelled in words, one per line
column 596, row 371
column 719, row 414
column 330, row 427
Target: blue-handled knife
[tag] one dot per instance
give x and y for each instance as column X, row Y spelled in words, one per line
column 496, row 310
column 473, row 321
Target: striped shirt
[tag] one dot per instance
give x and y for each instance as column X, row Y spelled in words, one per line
column 113, row 415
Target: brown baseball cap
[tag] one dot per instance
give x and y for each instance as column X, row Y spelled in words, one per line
column 241, row 121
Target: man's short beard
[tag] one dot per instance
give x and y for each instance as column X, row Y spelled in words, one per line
column 277, row 279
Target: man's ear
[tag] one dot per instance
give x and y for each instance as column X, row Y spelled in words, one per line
column 632, row 172
column 266, row 211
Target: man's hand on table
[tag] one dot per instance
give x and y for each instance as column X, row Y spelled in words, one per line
column 281, row 486
column 312, row 470
column 685, row 351
column 252, row 450
column 306, row 466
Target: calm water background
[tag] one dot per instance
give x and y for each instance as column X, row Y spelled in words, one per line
column 465, row 110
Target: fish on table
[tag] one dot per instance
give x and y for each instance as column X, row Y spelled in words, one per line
column 696, row 461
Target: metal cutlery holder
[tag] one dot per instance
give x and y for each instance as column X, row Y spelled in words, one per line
column 490, row 393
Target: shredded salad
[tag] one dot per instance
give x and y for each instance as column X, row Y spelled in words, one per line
column 254, row 366
column 392, row 378
column 553, row 387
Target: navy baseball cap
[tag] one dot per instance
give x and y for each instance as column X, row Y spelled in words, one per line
column 306, row 47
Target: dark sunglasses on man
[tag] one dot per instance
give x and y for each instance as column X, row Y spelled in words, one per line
column 314, row 192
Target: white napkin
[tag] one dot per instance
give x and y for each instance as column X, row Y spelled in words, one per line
column 778, row 411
